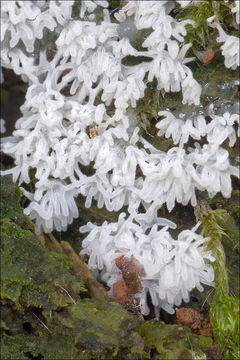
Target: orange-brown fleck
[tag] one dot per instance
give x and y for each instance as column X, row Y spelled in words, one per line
column 120, row 292
column 208, row 56
column 194, row 320
column 93, row 132
column 131, row 270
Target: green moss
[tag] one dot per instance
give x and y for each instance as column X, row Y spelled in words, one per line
column 230, row 205
column 201, row 34
column 22, row 346
column 198, row 13
column 114, row 4
column 30, row 274
column 224, row 309
column 211, row 228
column 224, row 316
column 101, row 327
column 12, row 349
column 170, row 343
column 93, row 329
column 43, row 315
column 10, row 203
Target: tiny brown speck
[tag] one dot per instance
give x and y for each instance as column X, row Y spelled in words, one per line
column 93, row 132
column 67, row 251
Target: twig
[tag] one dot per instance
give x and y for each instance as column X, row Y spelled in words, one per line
column 41, row 322
column 67, row 293
column 210, row 292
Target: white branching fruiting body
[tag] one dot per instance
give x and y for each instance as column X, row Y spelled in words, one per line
column 172, row 267
column 96, row 126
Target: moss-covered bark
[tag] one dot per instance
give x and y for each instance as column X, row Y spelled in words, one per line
column 53, row 308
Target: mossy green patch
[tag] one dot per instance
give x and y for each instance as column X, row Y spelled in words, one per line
column 10, row 203
column 201, row 34
column 12, row 349
column 224, row 316
column 30, row 274
column 224, row 309
column 43, row 313
column 102, row 327
column 172, row 342
column 47, row 346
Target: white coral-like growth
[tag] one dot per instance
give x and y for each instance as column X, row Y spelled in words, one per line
column 52, row 206
column 230, row 47
column 181, row 129
column 170, row 179
column 236, row 10
column 214, row 170
column 222, row 128
column 81, row 135
column 172, row 267
column 25, row 22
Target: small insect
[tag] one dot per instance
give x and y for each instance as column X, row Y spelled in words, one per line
column 93, row 132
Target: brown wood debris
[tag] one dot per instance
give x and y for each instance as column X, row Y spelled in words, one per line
column 125, row 289
column 131, row 270
column 194, row 320
column 121, row 293
column 208, row 56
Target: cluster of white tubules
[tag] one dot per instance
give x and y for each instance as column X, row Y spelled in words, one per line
column 172, row 268
column 81, row 135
